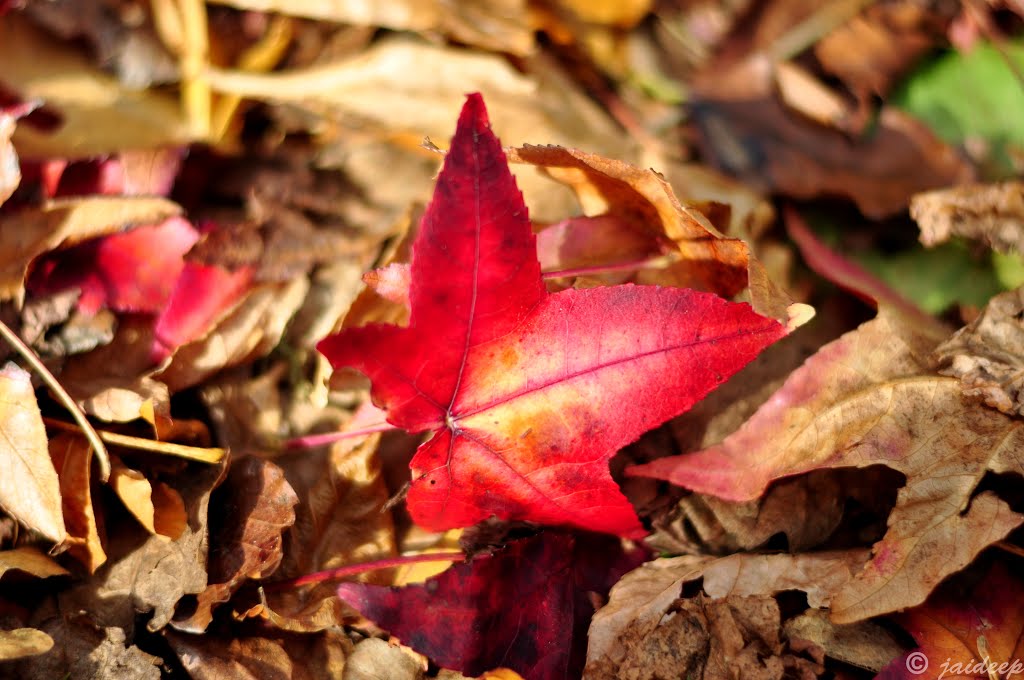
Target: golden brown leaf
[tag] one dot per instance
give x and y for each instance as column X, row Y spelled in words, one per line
column 292, row 657
column 31, row 561
column 29, row 488
column 23, row 642
column 72, row 456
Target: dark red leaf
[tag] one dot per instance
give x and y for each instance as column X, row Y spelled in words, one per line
column 527, row 607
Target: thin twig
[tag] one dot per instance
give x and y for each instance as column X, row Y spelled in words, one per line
column 102, row 459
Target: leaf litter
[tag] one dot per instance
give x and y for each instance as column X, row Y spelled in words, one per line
column 597, row 427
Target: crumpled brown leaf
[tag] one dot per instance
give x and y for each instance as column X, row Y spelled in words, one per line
column 339, row 522
column 990, row 213
column 638, row 604
column 987, row 355
column 29, row 488
column 291, row 656
column 865, row 644
column 253, row 507
column 374, row 658
column 871, row 398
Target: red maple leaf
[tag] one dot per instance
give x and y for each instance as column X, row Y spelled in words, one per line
column 514, row 609
column 529, row 394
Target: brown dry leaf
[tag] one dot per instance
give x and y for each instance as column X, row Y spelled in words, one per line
column 872, row 50
column 990, row 213
column 253, row 507
column 864, row 644
column 870, row 398
column 30, row 232
column 806, row 510
column 286, row 656
column 170, row 517
column 706, row 260
column 31, row 561
column 638, row 620
column 248, row 330
column 500, row 26
column 84, row 650
column 339, row 522
column 10, row 169
column 22, row 642
column 153, row 572
column 29, row 488
column 135, row 491
column 72, row 456
column 114, row 382
column 705, row 639
column 987, row 355
column 98, row 114
column 374, row 659
column 748, row 131
column 392, row 96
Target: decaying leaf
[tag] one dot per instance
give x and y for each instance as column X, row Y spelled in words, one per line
column 518, row 385
column 990, row 213
column 374, row 658
column 643, row 601
column 253, row 507
column 987, row 355
column 342, row 522
column 864, row 644
column 870, row 398
column 297, row 657
column 29, row 488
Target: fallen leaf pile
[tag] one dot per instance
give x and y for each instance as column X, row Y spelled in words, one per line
column 710, row 368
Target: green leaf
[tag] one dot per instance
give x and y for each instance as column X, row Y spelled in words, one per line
column 963, row 95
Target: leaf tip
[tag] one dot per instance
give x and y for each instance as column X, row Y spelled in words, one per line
column 797, row 315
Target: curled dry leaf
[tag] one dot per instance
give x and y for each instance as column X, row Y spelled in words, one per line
column 870, row 398
column 72, row 457
column 864, row 644
column 296, row 657
column 990, row 213
column 643, row 600
column 29, row 488
column 253, row 506
column 30, row 561
column 152, row 573
column 339, row 521
column 97, row 114
column 31, row 232
column 987, row 355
